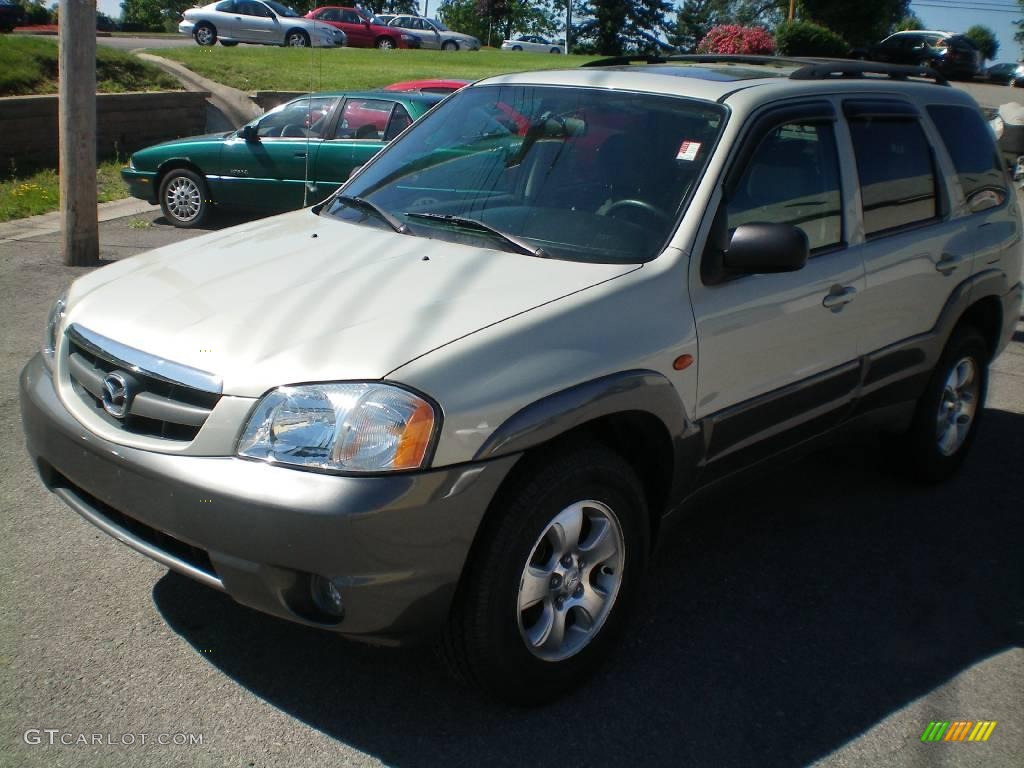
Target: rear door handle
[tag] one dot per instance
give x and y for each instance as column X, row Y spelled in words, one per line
column 948, row 263
column 838, row 296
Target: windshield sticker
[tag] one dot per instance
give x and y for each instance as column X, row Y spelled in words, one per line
column 688, row 151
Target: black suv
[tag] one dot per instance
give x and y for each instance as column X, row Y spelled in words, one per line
column 11, row 15
column 955, row 56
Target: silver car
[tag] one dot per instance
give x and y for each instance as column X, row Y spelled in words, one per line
column 263, row 22
column 533, row 44
column 435, row 35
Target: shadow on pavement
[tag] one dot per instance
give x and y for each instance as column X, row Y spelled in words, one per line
column 783, row 619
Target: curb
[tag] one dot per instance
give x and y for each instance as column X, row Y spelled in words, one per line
column 48, row 223
column 235, row 105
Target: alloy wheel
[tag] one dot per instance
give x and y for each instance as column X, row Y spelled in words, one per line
column 184, row 198
column 957, row 406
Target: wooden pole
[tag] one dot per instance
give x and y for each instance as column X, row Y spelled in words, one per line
column 792, row 9
column 77, row 126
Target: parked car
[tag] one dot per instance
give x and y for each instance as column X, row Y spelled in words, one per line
column 434, row 34
column 293, row 156
column 1006, row 74
column 954, row 56
column 11, row 15
column 364, row 30
column 468, row 394
column 263, row 22
column 438, row 86
column 532, row 43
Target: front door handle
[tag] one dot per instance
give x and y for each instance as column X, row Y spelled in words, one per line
column 838, row 296
column 948, row 263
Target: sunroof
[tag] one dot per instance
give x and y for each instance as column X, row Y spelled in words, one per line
column 718, row 72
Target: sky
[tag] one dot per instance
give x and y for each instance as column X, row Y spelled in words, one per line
column 946, row 15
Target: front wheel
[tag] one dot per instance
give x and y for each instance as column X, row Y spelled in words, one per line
column 385, row 44
column 205, row 34
column 184, row 199
column 946, row 420
column 557, row 565
column 297, row 39
column 450, row 45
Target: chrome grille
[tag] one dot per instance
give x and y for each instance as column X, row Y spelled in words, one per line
column 166, row 399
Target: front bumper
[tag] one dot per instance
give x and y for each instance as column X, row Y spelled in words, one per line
column 394, row 546
column 141, row 184
column 186, row 28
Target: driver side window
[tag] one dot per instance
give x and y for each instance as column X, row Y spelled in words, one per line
column 793, row 178
column 299, row 119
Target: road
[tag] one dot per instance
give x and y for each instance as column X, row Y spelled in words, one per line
column 825, row 613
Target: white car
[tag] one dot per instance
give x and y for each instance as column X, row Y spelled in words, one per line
column 534, row 44
column 435, row 35
column 264, row 22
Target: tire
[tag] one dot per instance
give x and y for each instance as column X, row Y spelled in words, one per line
column 500, row 641
column 184, row 198
column 554, row 50
column 450, row 45
column 946, row 419
column 229, row 43
column 296, row 38
column 385, row 44
column 205, row 34
column 517, row 47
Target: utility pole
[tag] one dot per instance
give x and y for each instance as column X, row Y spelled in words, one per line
column 568, row 26
column 77, row 127
column 792, row 9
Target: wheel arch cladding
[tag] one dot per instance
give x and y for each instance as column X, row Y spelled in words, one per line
column 637, row 414
column 985, row 314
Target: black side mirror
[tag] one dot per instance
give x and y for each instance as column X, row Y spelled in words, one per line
column 250, row 134
column 763, row 248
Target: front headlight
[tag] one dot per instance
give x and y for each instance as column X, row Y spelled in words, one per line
column 53, row 323
column 346, row 427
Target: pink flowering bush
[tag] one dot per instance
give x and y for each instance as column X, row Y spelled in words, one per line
column 732, row 38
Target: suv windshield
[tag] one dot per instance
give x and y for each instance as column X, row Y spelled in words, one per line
column 575, row 173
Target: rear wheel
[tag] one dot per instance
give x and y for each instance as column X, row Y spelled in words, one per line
column 184, row 198
column 205, row 34
column 297, row 38
column 385, row 44
column 555, row 50
column 946, row 420
column 552, row 576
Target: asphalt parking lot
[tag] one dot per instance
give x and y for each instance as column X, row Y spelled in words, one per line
column 826, row 613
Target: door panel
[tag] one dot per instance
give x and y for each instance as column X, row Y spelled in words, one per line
column 358, row 136
column 762, row 335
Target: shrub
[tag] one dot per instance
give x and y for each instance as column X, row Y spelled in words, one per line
column 804, row 38
column 732, row 38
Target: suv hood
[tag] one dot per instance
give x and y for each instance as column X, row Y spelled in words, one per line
column 299, row 298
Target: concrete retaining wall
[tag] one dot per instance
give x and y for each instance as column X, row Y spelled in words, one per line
column 125, row 122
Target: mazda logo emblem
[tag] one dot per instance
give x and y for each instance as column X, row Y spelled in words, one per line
column 117, row 395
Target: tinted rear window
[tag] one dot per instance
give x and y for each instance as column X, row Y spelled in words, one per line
column 896, row 171
column 969, row 143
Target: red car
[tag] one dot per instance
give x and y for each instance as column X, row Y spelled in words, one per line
column 440, row 86
column 364, row 30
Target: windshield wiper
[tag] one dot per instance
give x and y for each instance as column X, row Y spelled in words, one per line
column 460, row 221
column 365, row 205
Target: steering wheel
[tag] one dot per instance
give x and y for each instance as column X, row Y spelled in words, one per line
column 293, row 131
column 641, row 204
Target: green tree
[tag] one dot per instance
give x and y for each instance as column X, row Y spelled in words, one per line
column 618, row 26
column 142, row 15
column 859, row 23
column 694, row 19
column 984, row 40
column 910, row 21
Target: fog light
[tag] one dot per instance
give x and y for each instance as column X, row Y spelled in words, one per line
column 327, row 597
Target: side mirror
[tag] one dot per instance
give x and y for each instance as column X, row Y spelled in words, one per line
column 763, row 248
column 250, row 134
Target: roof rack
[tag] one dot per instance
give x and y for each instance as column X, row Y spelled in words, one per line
column 808, row 68
column 838, row 70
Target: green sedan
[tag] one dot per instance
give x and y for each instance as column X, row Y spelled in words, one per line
column 293, row 156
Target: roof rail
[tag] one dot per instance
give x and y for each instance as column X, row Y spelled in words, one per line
column 841, row 69
column 700, row 58
column 618, row 61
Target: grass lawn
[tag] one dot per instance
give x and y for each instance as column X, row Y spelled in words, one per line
column 28, row 65
column 255, row 68
column 40, row 192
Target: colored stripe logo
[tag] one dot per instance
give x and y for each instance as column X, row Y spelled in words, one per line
column 958, row 730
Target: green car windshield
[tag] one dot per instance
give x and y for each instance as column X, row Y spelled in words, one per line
column 574, row 173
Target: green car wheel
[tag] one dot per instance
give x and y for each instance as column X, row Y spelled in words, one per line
column 184, row 198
